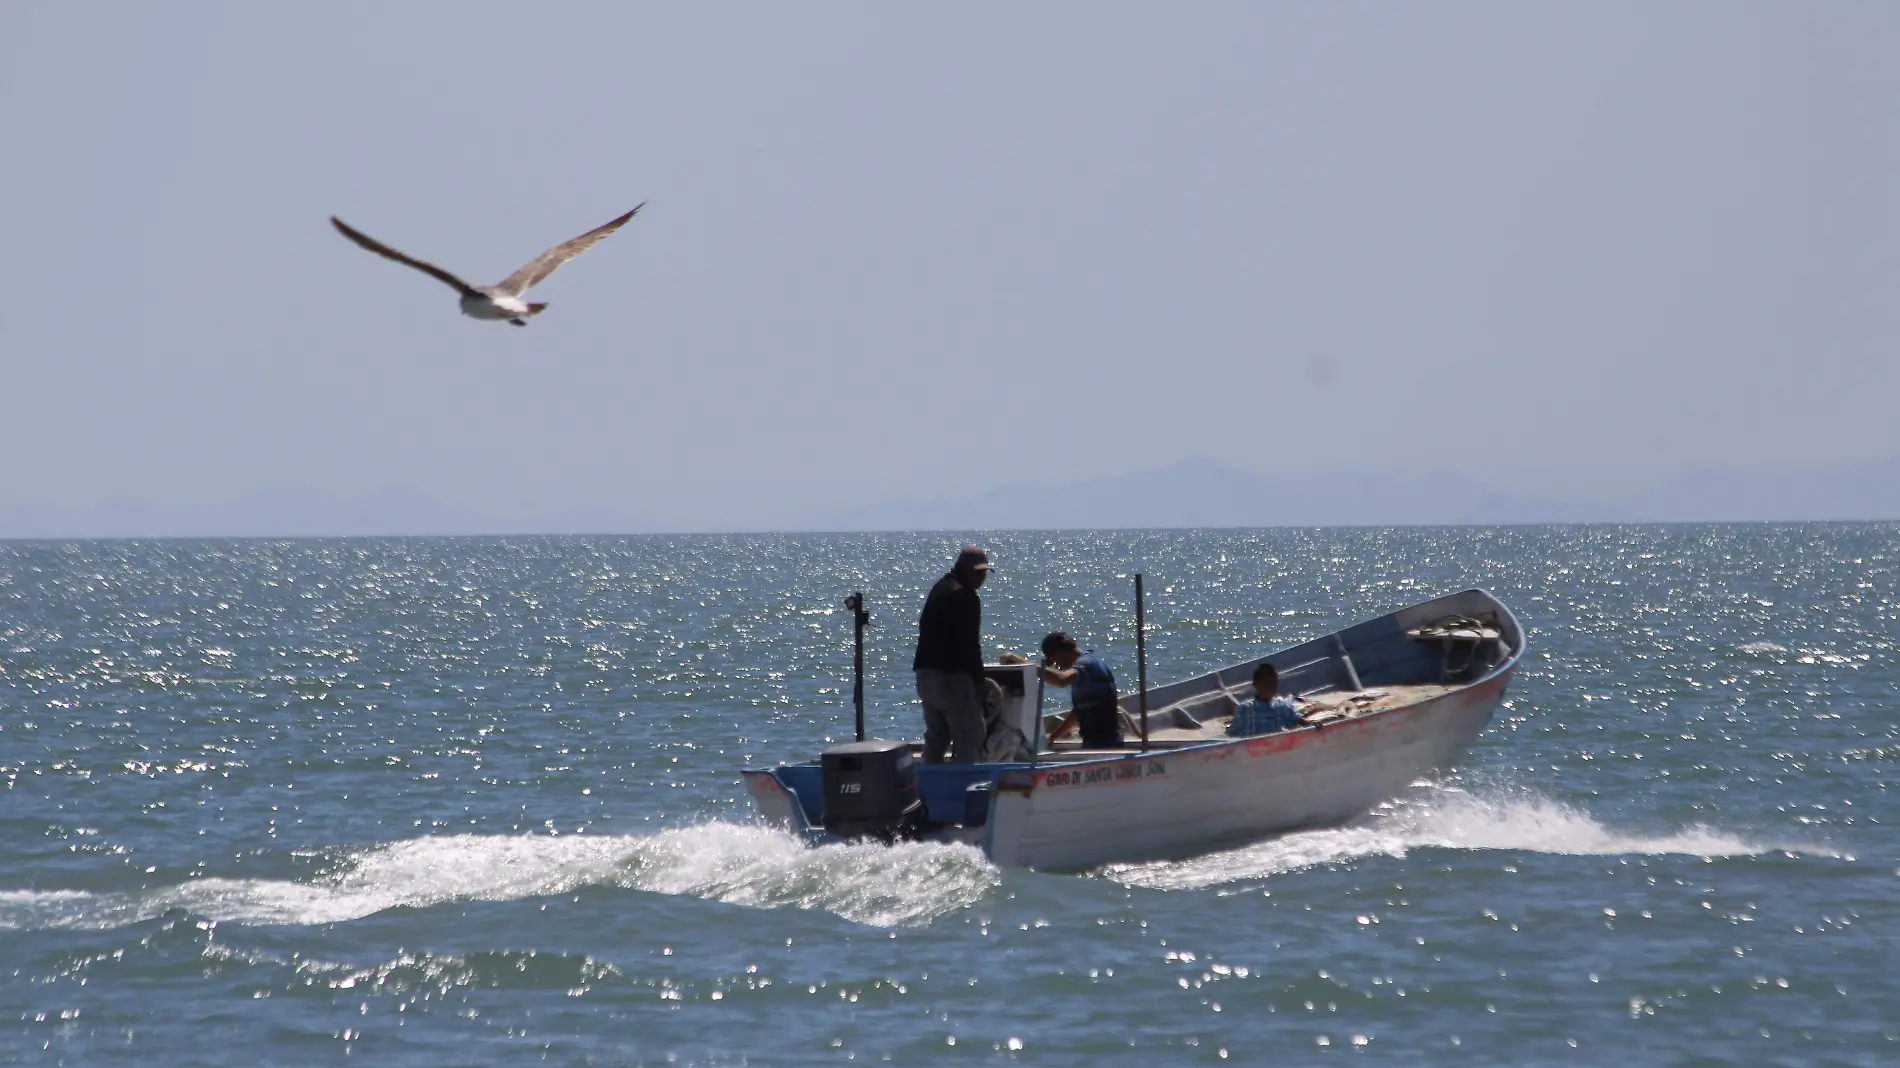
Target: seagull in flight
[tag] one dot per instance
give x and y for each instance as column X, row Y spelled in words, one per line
column 502, row 301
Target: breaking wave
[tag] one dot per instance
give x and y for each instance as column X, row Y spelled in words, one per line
column 899, row 885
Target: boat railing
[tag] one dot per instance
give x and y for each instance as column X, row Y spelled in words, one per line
column 1309, row 676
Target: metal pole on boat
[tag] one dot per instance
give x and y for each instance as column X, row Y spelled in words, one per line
column 859, row 619
column 1141, row 661
column 1036, row 743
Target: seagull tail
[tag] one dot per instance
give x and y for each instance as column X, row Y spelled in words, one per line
column 536, row 309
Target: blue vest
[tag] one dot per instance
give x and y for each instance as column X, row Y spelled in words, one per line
column 1094, row 683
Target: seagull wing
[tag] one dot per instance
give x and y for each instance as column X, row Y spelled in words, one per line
column 544, row 264
column 388, row 253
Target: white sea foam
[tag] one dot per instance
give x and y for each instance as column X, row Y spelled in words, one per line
column 883, row 885
column 1438, row 817
column 1763, row 648
column 740, row 864
column 880, row 885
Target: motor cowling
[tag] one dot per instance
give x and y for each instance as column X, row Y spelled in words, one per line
column 871, row 790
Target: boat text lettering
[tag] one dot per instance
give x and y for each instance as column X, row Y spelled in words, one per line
column 1089, row 776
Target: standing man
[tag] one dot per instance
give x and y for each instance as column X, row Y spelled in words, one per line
column 949, row 661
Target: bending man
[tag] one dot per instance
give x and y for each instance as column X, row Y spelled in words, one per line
column 1065, row 663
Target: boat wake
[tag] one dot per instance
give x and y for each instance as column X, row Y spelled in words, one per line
column 1443, row 817
column 740, row 864
column 909, row 884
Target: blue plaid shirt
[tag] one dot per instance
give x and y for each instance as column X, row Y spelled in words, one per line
column 1264, row 717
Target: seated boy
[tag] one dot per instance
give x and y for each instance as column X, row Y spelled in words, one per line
column 1268, row 711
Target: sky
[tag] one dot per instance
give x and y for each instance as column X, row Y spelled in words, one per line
column 905, row 252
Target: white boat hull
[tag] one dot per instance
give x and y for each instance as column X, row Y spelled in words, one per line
column 1166, row 805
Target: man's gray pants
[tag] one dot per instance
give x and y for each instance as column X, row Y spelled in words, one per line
column 953, row 716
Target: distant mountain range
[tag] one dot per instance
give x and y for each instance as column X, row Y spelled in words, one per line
column 1196, row 492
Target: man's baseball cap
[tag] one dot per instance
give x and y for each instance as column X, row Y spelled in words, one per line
column 974, row 558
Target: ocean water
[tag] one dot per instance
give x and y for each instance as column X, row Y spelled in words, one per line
column 474, row 801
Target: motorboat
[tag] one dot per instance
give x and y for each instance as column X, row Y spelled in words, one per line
column 1386, row 701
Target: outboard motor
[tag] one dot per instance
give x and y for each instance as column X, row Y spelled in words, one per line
column 871, row 790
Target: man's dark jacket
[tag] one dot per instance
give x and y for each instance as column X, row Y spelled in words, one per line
column 948, row 633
